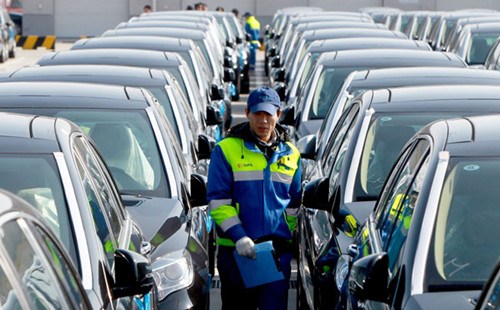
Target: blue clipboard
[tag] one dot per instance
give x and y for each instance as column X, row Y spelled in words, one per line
column 265, row 268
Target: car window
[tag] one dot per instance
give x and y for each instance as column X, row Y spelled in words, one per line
column 62, row 268
column 100, row 221
column 466, row 244
column 480, row 47
column 394, row 217
column 128, row 144
column 34, row 275
column 327, row 88
column 9, row 298
column 337, row 143
column 35, row 178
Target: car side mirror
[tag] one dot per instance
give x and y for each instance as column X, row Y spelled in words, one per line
column 228, row 62
column 316, row 194
column 205, row 146
column 214, row 117
column 307, row 147
column 198, row 190
column 288, row 116
column 133, row 274
column 280, row 88
column 248, row 37
column 229, row 75
column 266, row 29
column 279, row 75
column 275, row 63
column 216, row 92
column 369, row 277
column 272, row 52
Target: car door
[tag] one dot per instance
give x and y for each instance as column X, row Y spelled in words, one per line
column 113, row 228
column 387, row 230
column 35, row 272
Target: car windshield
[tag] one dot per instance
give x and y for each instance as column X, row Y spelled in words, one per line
column 465, row 245
column 36, row 179
column 385, row 138
column 127, row 142
column 327, row 88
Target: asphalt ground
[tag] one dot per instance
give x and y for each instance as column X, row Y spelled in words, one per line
column 258, row 78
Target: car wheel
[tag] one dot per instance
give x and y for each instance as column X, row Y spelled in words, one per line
column 245, row 86
column 2, row 57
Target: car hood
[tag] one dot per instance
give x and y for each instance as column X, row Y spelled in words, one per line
column 163, row 222
column 443, row 300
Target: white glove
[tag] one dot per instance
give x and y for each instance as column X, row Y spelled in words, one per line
column 245, row 247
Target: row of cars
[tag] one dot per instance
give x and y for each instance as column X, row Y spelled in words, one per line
column 400, row 157
column 110, row 142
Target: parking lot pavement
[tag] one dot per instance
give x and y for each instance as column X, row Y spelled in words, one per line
column 28, row 57
column 258, row 78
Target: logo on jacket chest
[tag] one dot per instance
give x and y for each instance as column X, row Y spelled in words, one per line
column 244, row 165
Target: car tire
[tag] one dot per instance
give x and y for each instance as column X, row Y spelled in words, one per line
column 2, row 57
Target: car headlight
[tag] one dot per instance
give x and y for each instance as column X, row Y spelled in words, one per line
column 172, row 272
column 341, row 271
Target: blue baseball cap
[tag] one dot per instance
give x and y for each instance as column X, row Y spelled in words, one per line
column 264, row 99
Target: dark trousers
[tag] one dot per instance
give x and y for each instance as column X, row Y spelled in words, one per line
column 234, row 295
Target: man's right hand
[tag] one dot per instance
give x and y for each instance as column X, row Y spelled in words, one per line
column 245, row 247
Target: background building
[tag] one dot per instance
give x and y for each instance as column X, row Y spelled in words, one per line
column 75, row 18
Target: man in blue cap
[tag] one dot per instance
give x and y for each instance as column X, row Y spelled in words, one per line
column 254, row 191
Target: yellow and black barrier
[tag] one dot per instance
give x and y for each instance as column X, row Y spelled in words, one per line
column 33, row 42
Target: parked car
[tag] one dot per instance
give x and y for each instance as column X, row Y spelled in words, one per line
column 431, row 239
column 355, row 164
column 36, row 270
column 308, row 62
column 52, row 164
column 158, row 189
column 475, row 42
column 160, row 83
column 360, row 81
column 184, row 47
column 171, row 62
column 331, row 70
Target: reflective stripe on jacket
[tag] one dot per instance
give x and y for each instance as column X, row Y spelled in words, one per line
column 250, row 195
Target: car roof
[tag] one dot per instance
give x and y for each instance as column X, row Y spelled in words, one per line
column 467, row 136
column 184, row 33
column 119, row 75
column 319, row 34
column 482, row 27
column 365, row 42
column 337, row 24
column 23, row 133
column 406, row 74
column 71, row 95
column 115, row 56
column 162, row 23
column 138, row 42
column 449, row 98
column 390, row 58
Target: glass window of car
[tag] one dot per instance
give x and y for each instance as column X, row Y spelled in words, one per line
column 465, row 245
column 480, row 47
column 101, row 225
column 160, row 94
column 35, row 277
column 9, row 298
column 128, row 145
column 396, row 210
column 386, row 136
column 327, row 88
column 35, row 178
column 62, row 267
column 337, row 144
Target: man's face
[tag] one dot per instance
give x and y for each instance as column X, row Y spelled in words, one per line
column 263, row 123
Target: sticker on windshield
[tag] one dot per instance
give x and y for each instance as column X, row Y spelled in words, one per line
column 471, row 168
column 386, row 119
